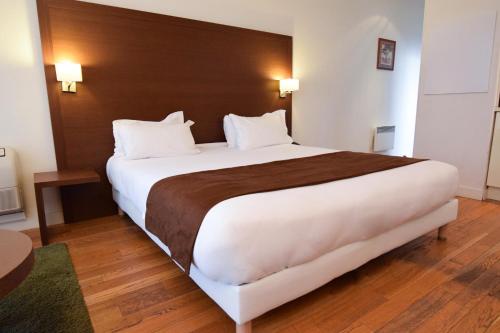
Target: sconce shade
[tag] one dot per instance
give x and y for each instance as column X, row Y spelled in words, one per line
column 289, row 85
column 67, row 72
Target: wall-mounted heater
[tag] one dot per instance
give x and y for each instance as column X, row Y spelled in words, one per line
column 11, row 203
column 384, row 138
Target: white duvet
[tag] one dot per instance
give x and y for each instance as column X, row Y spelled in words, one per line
column 247, row 238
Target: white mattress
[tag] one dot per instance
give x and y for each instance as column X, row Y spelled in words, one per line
column 244, row 239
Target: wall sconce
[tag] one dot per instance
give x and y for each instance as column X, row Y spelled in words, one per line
column 288, row 86
column 69, row 74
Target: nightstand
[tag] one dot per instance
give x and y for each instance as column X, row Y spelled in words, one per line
column 58, row 179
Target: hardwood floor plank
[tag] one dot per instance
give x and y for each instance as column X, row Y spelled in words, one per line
column 437, row 298
column 124, row 285
column 414, row 288
column 480, row 317
column 494, row 327
column 460, row 306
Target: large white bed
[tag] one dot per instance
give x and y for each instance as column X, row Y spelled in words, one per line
column 256, row 252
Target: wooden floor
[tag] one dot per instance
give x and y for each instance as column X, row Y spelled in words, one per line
column 424, row 286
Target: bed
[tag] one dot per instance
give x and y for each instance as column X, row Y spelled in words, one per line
column 238, row 260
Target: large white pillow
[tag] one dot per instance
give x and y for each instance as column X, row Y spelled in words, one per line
column 229, row 132
column 267, row 130
column 173, row 118
column 147, row 140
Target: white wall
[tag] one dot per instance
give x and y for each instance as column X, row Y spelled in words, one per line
column 24, row 111
column 456, row 128
column 342, row 98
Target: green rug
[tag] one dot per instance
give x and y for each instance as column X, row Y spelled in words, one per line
column 49, row 300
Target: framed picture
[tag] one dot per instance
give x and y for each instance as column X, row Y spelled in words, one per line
column 386, row 54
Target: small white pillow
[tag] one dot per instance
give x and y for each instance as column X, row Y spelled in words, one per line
column 173, row 118
column 267, row 130
column 229, row 132
column 147, row 140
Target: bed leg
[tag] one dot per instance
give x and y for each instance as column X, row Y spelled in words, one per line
column 121, row 212
column 244, row 328
column 441, row 233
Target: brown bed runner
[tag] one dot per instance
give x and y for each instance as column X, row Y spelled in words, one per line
column 177, row 205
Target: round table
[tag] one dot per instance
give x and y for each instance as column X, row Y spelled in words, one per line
column 16, row 259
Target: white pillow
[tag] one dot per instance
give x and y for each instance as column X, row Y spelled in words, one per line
column 267, row 130
column 229, row 132
column 173, row 118
column 148, row 140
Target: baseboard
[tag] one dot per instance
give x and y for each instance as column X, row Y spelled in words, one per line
column 493, row 193
column 471, row 193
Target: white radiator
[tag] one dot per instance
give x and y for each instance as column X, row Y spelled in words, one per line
column 384, row 138
column 10, row 189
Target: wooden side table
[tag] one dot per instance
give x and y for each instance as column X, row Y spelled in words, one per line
column 17, row 258
column 58, row 179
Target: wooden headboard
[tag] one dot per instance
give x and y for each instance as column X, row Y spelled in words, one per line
column 139, row 65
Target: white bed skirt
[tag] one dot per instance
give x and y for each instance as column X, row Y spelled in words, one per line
column 246, row 302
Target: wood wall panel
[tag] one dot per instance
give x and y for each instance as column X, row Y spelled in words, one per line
column 140, row 65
